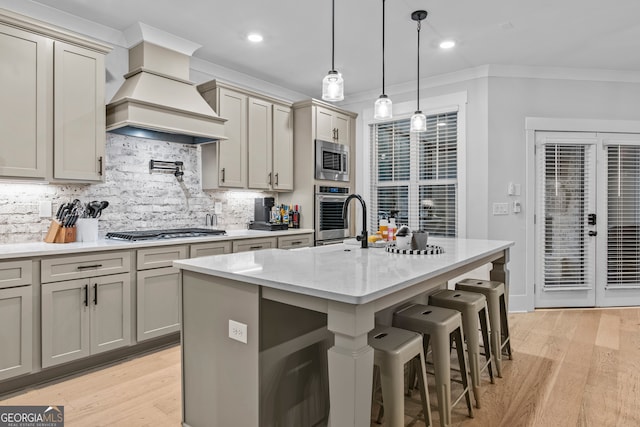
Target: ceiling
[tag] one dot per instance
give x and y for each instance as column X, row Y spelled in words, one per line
column 296, row 51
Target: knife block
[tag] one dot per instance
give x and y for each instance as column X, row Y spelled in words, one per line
column 59, row 234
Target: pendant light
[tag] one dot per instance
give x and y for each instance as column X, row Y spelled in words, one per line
column 332, row 84
column 418, row 120
column 382, row 107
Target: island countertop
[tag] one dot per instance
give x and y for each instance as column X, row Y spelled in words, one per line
column 344, row 273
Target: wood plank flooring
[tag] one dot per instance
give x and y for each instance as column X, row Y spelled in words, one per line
column 570, row 368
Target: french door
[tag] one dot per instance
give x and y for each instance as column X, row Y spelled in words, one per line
column 587, row 219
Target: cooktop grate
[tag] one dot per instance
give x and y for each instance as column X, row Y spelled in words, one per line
column 163, row 234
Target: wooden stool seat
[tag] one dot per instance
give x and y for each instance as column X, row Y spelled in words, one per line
column 439, row 326
column 498, row 320
column 473, row 307
column 393, row 348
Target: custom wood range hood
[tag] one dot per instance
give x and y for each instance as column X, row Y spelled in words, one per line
column 157, row 100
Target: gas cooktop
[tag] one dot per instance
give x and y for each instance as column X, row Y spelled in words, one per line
column 163, row 234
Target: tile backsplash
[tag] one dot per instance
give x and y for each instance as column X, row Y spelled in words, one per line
column 137, row 198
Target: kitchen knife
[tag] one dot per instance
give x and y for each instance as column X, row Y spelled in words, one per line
column 74, row 218
column 59, row 211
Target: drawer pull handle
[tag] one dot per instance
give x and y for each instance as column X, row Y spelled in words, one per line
column 86, row 295
column 255, row 247
column 95, row 294
column 297, row 242
column 84, row 267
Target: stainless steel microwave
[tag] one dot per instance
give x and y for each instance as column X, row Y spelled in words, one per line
column 332, row 161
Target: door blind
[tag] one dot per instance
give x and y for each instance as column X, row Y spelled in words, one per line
column 567, row 194
column 623, row 217
column 415, row 176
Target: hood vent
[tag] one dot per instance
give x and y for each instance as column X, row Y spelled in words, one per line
column 157, row 100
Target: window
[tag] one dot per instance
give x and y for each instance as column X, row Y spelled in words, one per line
column 415, row 177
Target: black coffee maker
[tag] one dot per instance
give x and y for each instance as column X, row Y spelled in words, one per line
column 262, row 215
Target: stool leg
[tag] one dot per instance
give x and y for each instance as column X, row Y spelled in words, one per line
column 470, row 327
column 424, row 392
column 484, row 327
column 505, row 327
column 374, row 389
column 392, row 379
column 442, row 367
column 495, row 321
column 457, row 336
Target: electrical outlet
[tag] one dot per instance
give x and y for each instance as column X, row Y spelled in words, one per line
column 501, row 208
column 217, row 207
column 44, row 209
column 237, row 331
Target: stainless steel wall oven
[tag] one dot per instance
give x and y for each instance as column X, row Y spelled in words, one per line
column 329, row 225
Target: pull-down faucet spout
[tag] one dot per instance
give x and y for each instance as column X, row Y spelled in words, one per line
column 363, row 237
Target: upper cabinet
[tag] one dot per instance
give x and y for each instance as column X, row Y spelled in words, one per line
column 333, row 126
column 258, row 153
column 52, row 105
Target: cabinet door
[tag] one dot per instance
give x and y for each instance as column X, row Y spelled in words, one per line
column 324, row 125
column 110, row 312
column 254, row 244
column 65, row 321
column 343, row 130
column 211, row 248
column 15, row 331
column 24, row 105
column 260, row 144
column 158, row 307
column 232, row 161
column 79, row 113
column 282, row 148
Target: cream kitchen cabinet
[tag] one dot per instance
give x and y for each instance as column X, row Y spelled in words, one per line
column 333, row 126
column 84, row 317
column 224, row 163
column 210, row 248
column 158, row 291
column 295, row 241
column 16, row 318
column 52, row 102
column 245, row 245
column 258, row 153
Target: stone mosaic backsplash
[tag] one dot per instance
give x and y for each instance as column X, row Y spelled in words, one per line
column 137, row 199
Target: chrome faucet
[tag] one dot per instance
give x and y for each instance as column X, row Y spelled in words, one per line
column 364, row 237
column 211, row 219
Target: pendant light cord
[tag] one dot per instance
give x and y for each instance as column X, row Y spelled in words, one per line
column 383, row 20
column 418, row 79
column 333, row 31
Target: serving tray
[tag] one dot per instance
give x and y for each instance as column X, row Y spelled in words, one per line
column 430, row 250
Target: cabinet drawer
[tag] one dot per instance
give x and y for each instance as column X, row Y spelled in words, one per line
column 81, row 266
column 160, row 257
column 298, row 241
column 212, row 248
column 15, row 273
column 254, row 244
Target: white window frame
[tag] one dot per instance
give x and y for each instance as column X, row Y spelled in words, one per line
column 429, row 106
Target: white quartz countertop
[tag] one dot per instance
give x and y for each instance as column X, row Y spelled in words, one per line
column 342, row 272
column 20, row 250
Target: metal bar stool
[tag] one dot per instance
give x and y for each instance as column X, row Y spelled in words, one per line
column 473, row 307
column 439, row 327
column 393, row 347
column 498, row 320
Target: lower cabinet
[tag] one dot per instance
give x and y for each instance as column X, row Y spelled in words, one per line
column 210, row 248
column 246, row 245
column 84, row 317
column 295, row 241
column 16, row 331
column 158, row 307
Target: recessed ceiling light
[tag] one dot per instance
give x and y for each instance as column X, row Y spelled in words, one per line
column 255, row 37
column 447, row 44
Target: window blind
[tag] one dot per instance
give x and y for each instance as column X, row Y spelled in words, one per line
column 623, row 203
column 415, row 176
column 566, row 194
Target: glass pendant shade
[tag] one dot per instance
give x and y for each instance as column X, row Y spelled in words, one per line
column 418, row 122
column 382, row 108
column 333, row 87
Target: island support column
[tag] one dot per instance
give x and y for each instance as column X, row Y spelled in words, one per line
column 500, row 273
column 350, row 363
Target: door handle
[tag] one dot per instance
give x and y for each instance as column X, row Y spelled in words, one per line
column 593, row 233
column 95, row 294
column 277, row 178
column 269, row 178
column 222, row 174
column 100, row 165
column 86, row 295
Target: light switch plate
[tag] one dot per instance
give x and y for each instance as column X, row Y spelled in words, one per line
column 237, row 331
column 44, row 209
column 501, row 208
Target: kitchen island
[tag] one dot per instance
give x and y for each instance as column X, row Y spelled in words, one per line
column 344, row 286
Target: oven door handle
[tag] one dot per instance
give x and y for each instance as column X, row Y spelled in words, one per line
column 327, row 198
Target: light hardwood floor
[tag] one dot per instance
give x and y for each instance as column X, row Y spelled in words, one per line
column 570, row 368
